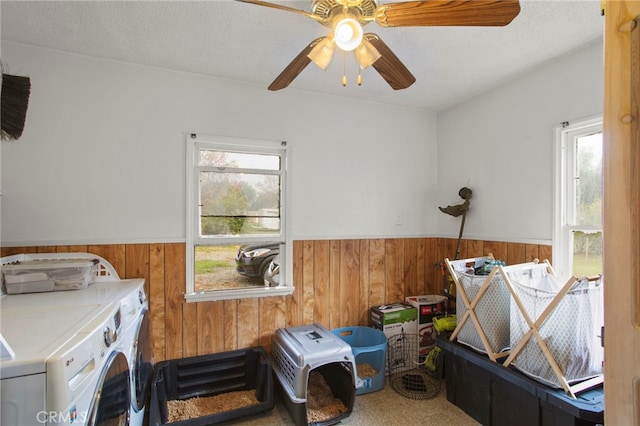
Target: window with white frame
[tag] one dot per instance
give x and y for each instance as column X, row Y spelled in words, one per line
column 577, row 242
column 236, row 244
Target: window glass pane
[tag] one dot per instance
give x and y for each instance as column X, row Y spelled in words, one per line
column 236, row 224
column 589, row 180
column 587, row 253
column 239, row 204
column 577, row 240
column 213, row 158
column 233, row 266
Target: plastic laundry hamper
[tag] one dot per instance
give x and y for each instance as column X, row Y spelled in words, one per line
column 369, row 347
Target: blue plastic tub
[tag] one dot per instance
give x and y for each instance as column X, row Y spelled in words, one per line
column 369, row 346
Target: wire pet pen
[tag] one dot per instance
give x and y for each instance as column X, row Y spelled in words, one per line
column 408, row 375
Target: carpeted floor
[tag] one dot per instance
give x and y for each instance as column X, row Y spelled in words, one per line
column 384, row 407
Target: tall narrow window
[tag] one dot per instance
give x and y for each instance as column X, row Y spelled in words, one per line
column 577, row 243
column 236, row 221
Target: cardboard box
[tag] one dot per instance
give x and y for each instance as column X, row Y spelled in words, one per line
column 428, row 306
column 395, row 318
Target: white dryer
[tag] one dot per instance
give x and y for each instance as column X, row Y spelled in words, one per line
column 136, row 337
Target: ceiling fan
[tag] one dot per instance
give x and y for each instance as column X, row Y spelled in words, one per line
column 345, row 19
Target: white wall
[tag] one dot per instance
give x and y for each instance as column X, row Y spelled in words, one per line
column 102, row 155
column 101, row 159
column 500, row 144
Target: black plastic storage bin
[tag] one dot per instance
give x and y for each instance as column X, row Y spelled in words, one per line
column 495, row 395
column 209, row 375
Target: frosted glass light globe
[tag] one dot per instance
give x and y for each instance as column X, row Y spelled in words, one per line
column 348, row 34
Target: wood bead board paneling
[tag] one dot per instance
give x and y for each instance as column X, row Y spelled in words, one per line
column 337, row 281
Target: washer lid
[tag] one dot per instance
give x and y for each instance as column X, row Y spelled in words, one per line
column 35, row 334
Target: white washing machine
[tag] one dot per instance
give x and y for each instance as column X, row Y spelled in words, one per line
column 69, row 366
column 67, row 321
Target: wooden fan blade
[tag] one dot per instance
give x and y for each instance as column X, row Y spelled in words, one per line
column 296, row 66
column 447, row 13
column 285, row 8
column 389, row 66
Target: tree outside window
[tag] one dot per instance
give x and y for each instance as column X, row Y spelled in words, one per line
column 577, row 244
column 235, row 214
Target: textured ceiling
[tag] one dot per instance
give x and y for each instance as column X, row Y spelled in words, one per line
column 244, row 42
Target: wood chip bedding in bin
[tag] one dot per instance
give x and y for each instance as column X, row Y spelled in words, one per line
column 365, row 370
column 179, row 410
column 321, row 403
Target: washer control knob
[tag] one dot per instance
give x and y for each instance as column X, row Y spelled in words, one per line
column 109, row 336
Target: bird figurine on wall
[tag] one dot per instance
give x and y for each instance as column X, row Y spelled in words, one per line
column 455, row 211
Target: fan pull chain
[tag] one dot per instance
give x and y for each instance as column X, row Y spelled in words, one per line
column 359, row 67
column 344, row 68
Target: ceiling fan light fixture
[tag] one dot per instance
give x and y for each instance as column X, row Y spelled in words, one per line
column 322, row 53
column 366, row 54
column 347, row 33
column 346, row 18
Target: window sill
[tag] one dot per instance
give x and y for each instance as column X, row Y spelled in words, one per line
column 206, row 296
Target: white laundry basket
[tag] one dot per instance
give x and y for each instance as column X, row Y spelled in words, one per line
column 43, row 272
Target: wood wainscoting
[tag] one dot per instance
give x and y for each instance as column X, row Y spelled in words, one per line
column 336, row 283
